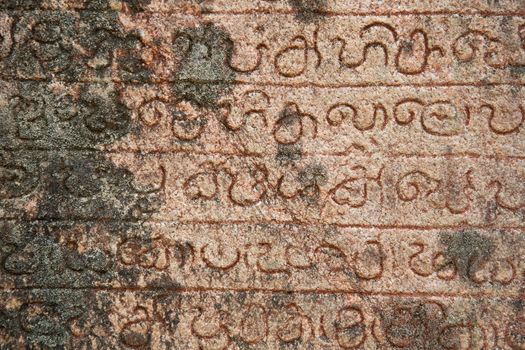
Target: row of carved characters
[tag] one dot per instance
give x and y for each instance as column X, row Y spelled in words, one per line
column 70, row 179
column 315, row 9
column 89, row 46
column 47, row 115
column 244, row 320
column 168, row 321
column 349, row 327
column 367, row 261
column 45, row 261
column 86, row 45
column 476, row 266
column 415, row 52
column 288, row 123
column 457, row 257
column 40, row 318
column 36, row 256
column 83, row 115
column 247, row 184
column 98, row 5
column 74, row 254
column 353, row 188
column 70, row 46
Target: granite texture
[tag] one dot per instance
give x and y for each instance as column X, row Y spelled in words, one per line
column 262, row 174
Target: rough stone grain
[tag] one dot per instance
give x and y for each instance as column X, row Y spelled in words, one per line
column 262, row 174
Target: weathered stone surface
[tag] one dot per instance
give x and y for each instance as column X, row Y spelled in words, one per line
column 271, row 174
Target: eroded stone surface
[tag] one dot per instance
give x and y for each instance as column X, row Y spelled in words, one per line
column 272, row 174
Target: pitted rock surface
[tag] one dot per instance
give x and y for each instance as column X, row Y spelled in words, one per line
column 267, row 174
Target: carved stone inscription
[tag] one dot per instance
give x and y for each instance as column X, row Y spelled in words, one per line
column 270, row 174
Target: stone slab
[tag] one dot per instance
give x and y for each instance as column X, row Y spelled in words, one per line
column 269, row 174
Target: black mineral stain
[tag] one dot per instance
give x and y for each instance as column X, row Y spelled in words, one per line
column 308, row 10
column 466, row 249
column 203, row 74
column 68, row 190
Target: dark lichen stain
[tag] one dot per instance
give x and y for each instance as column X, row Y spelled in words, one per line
column 466, row 249
column 493, row 2
column 44, row 318
column 315, row 174
column 517, row 71
column 101, row 34
column 20, row 4
column 203, row 74
column 43, row 45
column 413, row 325
column 290, row 115
column 40, row 117
column 70, row 190
column 133, row 5
column 137, row 5
column 86, row 46
column 407, row 46
column 308, row 10
column 289, row 153
column 518, row 305
column 311, row 178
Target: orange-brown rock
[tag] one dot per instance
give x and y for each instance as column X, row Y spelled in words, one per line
column 269, row 174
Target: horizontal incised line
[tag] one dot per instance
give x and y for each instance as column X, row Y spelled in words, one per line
column 358, row 154
column 291, row 12
column 271, row 222
column 379, row 13
column 297, row 85
column 177, row 289
column 365, row 85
